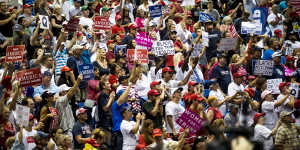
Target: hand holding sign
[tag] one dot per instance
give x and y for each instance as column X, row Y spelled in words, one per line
column 44, row 22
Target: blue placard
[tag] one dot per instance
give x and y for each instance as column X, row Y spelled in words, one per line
column 120, row 48
column 203, row 17
column 155, row 11
column 87, row 70
column 260, row 14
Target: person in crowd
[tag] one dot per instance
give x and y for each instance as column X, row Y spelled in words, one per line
column 289, row 102
column 221, row 73
column 41, row 140
column 81, row 130
column 278, row 69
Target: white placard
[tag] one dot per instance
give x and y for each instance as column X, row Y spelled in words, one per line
column 227, row 43
column 44, row 22
column 22, row 115
column 161, row 48
column 251, row 27
column 205, row 38
column 273, row 85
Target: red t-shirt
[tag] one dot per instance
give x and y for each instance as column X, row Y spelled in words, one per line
column 217, row 113
column 118, row 29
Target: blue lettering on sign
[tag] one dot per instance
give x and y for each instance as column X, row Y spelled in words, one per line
column 155, row 11
column 87, row 70
column 205, row 17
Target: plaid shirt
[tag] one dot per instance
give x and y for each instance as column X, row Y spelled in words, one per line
column 288, row 137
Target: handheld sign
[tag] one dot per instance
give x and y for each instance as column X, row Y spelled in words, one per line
column 14, row 53
column 295, row 90
column 227, row 44
column 273, row 85
column 44, row 22
column 190, row 120
column 205, row 38
column 101, row 23
column 72, row 25
column 140, row 54
column 142, row 39
column 250, row 27
column 30, row 77
column 155, row 11
column 203, row 17
column 87, row 70
column 264, row 67
column 22, row 115
column 161, row 48
column 119, row 48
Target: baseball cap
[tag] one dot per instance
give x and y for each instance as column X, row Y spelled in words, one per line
column 153, row 92
column 42, row 134
column 196, row 97
column 122, row 78
column 173, row 31
column 250, row 91
column 257, row 116
column 283, row 84
column 124, row 109
column 80, row 111
column 177, row 89
column 47, row 94
column 276, row 54
column 284, row 113
column 251, row 77
column 26, row 6
column 18, row 27
column 154, row 83
column 63, row 87
column 77, row 47
column 192, row 83
column 105, row 9
column 167, row 69
column 109, row 42
column 132, row 26
column 65, row 68
column 156, row 132
column 83, row 8
column 265, row 93
column 118, row 17
column 290, row 58
column 47, row 73
column 238, row 75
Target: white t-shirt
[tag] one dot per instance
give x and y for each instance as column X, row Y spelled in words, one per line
column 220, row 97
column 129, row 139
column 233, row 88
column 171, row 84
column 263, row 134
column 143, row 86
column 272, row 17
column 86, row 22
column 154, row 76
column 284, row 106
column 27, row 139
column 154, row 146
column 175, row 110
column 271, row 116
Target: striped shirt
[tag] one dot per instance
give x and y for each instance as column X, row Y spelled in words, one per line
column 133, row 94
column 61, row 58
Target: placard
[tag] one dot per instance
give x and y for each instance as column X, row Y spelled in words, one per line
column 22, row 115
column 30, row 77
column 119, row 48
column 87, row 70
column 260, row 15
column 142, row 39
column 295, row 90
column 155, row 11
column 190, row 120
column 140, row 54
column 205, row 38
column 101, row 23
column 14, row 53
column 44, row 22
column 227, row 44
column 161, row 48
column 273, row 85
column 204, row 17
column 72, row 25
column 250, row 27
column 264, row 67
column 288, row 48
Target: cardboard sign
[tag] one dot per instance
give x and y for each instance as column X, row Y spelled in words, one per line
column 139, row 54
column 295, row 90
column 250, row 27
column 72, row 25
column 142, row 39
column 203, row 17
column 87, row 70
column 155, row 11
column 227, row 44
column 119, row 48
column 161, row 48
column 264, row 67
column 44, row 22
column 14, row 53
column 273, row 85
column 190, row 120
column 30, row 77
column 22, row 115
column 101, row 23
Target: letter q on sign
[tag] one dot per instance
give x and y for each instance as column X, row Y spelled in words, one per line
column 44, row 22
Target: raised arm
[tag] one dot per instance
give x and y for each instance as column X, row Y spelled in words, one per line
column 73, row 89
column 123, row 98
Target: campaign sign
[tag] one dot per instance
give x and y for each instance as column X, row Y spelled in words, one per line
column 251, row 27
column 205, row 38
column 273, row 85
column 140, row 54
column 72, row 25
column 190, row 120
column 295, row 90
column 264, row 67
column 144, row 40
column 204, row 17
column 119, row 48
column 22, row 115
column 14, row 53
column 101, row 23
column 161, row 48
column 227, row 44
column 155, row 11
column 87, row 70
column 44, row 22
column 260, row 15
column 30, row 77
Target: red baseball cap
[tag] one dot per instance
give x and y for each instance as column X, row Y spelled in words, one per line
column 65, row 68
column 251, row 77
column 154, row 83
column 250, row 91
column 118, row 17
column 167, row 69
column 290, row 58
column 132, row 26
column 238, row 74
column 196, row 97
column 283, row 84
column 109, row 42
column 153, row 92
column 192, row 83
column 80, row 111
column 26, row 6
column 257, row 116
column 156, row 132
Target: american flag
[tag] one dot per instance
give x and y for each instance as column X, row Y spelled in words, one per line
column 232, row 31
column 296, row 5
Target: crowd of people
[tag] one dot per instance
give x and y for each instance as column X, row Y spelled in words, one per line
column 133, row 105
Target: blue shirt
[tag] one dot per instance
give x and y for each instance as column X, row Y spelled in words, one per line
column 38, row 91
column 267, row 55
column 117, row 116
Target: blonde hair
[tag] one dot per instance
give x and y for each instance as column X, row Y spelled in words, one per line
column 177, row 58
column 234, row 58
column 210, row 99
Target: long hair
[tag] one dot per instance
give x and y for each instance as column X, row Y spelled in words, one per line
column 147, row 136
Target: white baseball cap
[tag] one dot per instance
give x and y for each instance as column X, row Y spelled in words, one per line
column 63, row 87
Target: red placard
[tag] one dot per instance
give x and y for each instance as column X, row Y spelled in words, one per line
column 14, row 53
column 142, row 55
column 72, row 25
column 30, row 77
column 101, row 23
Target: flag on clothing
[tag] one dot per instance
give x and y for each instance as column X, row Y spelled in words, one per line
column 232, row 31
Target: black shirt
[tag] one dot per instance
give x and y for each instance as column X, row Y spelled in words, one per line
column 105, row 117
column 6, row 29
column 222, row 74
column 82, row 129
column 211, row 50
